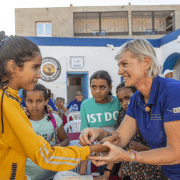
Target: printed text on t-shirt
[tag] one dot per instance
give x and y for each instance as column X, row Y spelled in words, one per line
column 108, row 116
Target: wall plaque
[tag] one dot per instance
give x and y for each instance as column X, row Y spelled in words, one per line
column 50, row 69
column 77, row 62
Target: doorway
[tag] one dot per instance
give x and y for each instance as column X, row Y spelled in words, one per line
column 77, row 82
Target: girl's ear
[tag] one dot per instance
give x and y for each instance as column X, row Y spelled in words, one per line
column 47, row 100
column 11, row 66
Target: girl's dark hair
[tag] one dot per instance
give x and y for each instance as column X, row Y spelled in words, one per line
column 49, row 93
column 18, row 49
column 121, row 85
column 102, row 75
column 46, row 93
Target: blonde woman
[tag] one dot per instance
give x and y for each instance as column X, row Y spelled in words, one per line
column 155, row 108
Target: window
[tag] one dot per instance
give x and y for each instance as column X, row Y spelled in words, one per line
column 43, row 29
column 152, row 22
column 100, row 23
column 164, row 21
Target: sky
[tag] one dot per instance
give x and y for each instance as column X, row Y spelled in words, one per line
column 7, row 10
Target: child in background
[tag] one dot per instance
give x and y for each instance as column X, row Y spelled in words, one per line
column 52, row 97
column 51, row 102
column 128, row 170
column 36, row 102
column 101, row 110
column 20, row 61
column 59, row 102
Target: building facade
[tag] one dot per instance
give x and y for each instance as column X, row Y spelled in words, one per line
column 68, row 63
column 77, row 41
column 128, row 21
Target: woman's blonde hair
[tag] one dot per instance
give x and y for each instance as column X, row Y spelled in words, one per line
column 141, row 48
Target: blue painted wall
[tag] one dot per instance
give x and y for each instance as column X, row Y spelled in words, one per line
column 98, row 42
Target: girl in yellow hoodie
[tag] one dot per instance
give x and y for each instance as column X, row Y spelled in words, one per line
column 20, row 60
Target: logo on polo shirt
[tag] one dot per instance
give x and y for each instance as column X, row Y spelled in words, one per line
column 156, row 117
column 176, row 110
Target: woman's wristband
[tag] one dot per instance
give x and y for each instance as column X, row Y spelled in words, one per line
column 133, row 156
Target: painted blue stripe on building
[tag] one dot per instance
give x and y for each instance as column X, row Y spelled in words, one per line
column 97, row 42
column 170, row 37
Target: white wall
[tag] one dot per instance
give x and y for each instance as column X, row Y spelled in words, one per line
column 96, row 58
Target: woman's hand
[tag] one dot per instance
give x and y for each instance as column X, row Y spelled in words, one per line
column 88, row 135
column 115, row 154
column 133, row 145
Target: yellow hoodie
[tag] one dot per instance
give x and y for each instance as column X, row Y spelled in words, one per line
column 18, row 141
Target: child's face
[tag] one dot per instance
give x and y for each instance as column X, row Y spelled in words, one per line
column 100, row 90
column 27, row 77
column 35, row 102
column 124, row 95
column 59, row 103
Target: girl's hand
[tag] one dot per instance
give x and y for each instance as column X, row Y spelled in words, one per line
column 49, row 109
column 133, row 145
column 112, row 141
column 115, row 154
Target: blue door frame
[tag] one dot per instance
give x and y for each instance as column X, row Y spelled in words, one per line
column 84, row 83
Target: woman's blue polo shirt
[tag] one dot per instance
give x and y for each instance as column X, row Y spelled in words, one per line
column 164, row 102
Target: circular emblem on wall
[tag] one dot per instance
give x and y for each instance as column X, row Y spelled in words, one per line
column 50, row 69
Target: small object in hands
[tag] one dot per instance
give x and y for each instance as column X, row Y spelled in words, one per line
column 133, row 157
column 101, row 142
